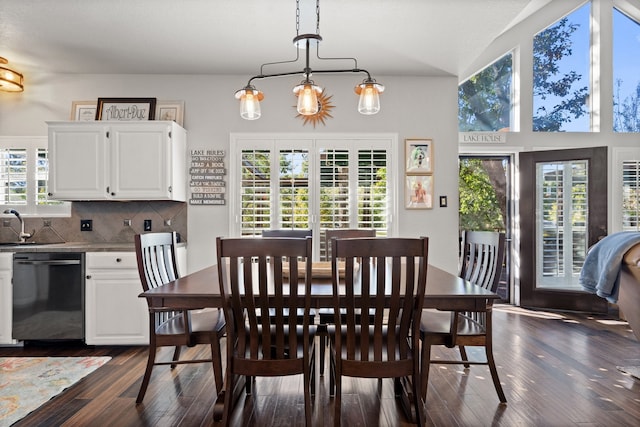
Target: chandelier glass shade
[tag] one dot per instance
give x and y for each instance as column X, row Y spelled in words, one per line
column 307, row 91
column 10, row 80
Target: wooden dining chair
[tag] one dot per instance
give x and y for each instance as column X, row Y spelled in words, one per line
column 482, row 256
column 385, row 277
column 264, row 275
column 325, row 315
column 156, row 257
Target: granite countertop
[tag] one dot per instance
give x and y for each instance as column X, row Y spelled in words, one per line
column 68, row 247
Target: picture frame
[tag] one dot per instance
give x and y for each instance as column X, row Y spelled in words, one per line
column 170, row 110
column 418, row 156
column 419, row 191
column 83, row 111
column 126, row 109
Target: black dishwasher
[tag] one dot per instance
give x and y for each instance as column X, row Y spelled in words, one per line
column 48, row 296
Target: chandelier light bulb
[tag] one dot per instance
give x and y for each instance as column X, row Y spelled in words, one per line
column 369, row 102
column 250, row 103
column 307, row 94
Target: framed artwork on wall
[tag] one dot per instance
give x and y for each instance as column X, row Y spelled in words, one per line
column 419, row 191
column 419, row 156
column 170, row 110
column 126, row 109
column 83, row 111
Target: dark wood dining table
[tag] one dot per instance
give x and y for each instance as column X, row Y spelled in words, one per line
column 444, row 291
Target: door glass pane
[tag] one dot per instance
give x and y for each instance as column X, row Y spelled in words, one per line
column 373, row 198
column 561, row 218
column 630, row 195
column 255, row 192
column 293, row 197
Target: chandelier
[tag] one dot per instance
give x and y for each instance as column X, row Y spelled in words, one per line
column 10, row 81
column 307, row 91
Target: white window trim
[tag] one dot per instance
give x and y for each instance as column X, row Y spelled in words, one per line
column 31, row 209
column 239, row 141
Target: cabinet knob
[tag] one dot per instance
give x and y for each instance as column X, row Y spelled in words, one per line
column 49, row 194
column 118, row 259
column 88, row 276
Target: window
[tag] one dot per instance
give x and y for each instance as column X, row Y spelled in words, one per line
column 626, row 83
column 24, row 174
column 561, row 64
column 630, row 195
column 562, row 203
column 484, row 100
column 312, row 183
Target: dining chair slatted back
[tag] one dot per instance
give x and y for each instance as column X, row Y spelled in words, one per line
column 326, row 314
column 481, row 264
column 264, row 275
column 385, row 277
column 482, row 258
column 157, row 265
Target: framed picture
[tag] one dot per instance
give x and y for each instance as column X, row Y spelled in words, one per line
column 83, row 111
column 126, row 109
column 170, row 110
column 419, row 191
column 419, row 156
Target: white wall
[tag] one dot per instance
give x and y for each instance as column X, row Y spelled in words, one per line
column 412, row 107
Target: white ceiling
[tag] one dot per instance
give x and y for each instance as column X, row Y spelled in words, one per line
column 388, row 37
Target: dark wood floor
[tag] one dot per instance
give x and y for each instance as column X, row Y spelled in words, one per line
column 557, row 369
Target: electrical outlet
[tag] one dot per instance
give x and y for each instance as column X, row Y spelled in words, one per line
column 147, row 225
column 86, row 225
column 443, row 201
column 127, row 223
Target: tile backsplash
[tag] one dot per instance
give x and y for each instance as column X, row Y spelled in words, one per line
column 109, row 221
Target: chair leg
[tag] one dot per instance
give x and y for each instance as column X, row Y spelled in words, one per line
column 313, row 373
column 147, row 374
column 323, row 344
column 228, row 397
column 425, row 364
column 216, row 361
column 494, row 374
column 417, row 399
column 337, row 400
column 332, row 374
column 463, row 355
column 176, row 356
column 308, row 386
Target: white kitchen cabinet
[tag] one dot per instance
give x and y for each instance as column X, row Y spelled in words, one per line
column 114, row 314
column 117, row 161
column 6, row 297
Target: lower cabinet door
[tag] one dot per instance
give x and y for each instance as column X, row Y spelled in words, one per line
column 114, row 314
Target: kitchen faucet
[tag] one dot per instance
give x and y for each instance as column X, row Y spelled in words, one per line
column 23, row 236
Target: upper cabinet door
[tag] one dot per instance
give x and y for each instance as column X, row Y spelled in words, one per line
column 140, row 162
column 77, row 168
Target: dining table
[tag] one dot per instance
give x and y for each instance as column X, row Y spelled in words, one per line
column 200, row 289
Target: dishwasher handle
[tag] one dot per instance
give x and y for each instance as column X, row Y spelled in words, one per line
column 50, row 262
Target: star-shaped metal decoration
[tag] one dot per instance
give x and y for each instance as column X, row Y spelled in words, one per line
column 324, row 111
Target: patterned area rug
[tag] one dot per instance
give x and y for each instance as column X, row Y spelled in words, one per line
column 28, row 382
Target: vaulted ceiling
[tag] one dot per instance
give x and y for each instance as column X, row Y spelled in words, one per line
column 388, row 37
